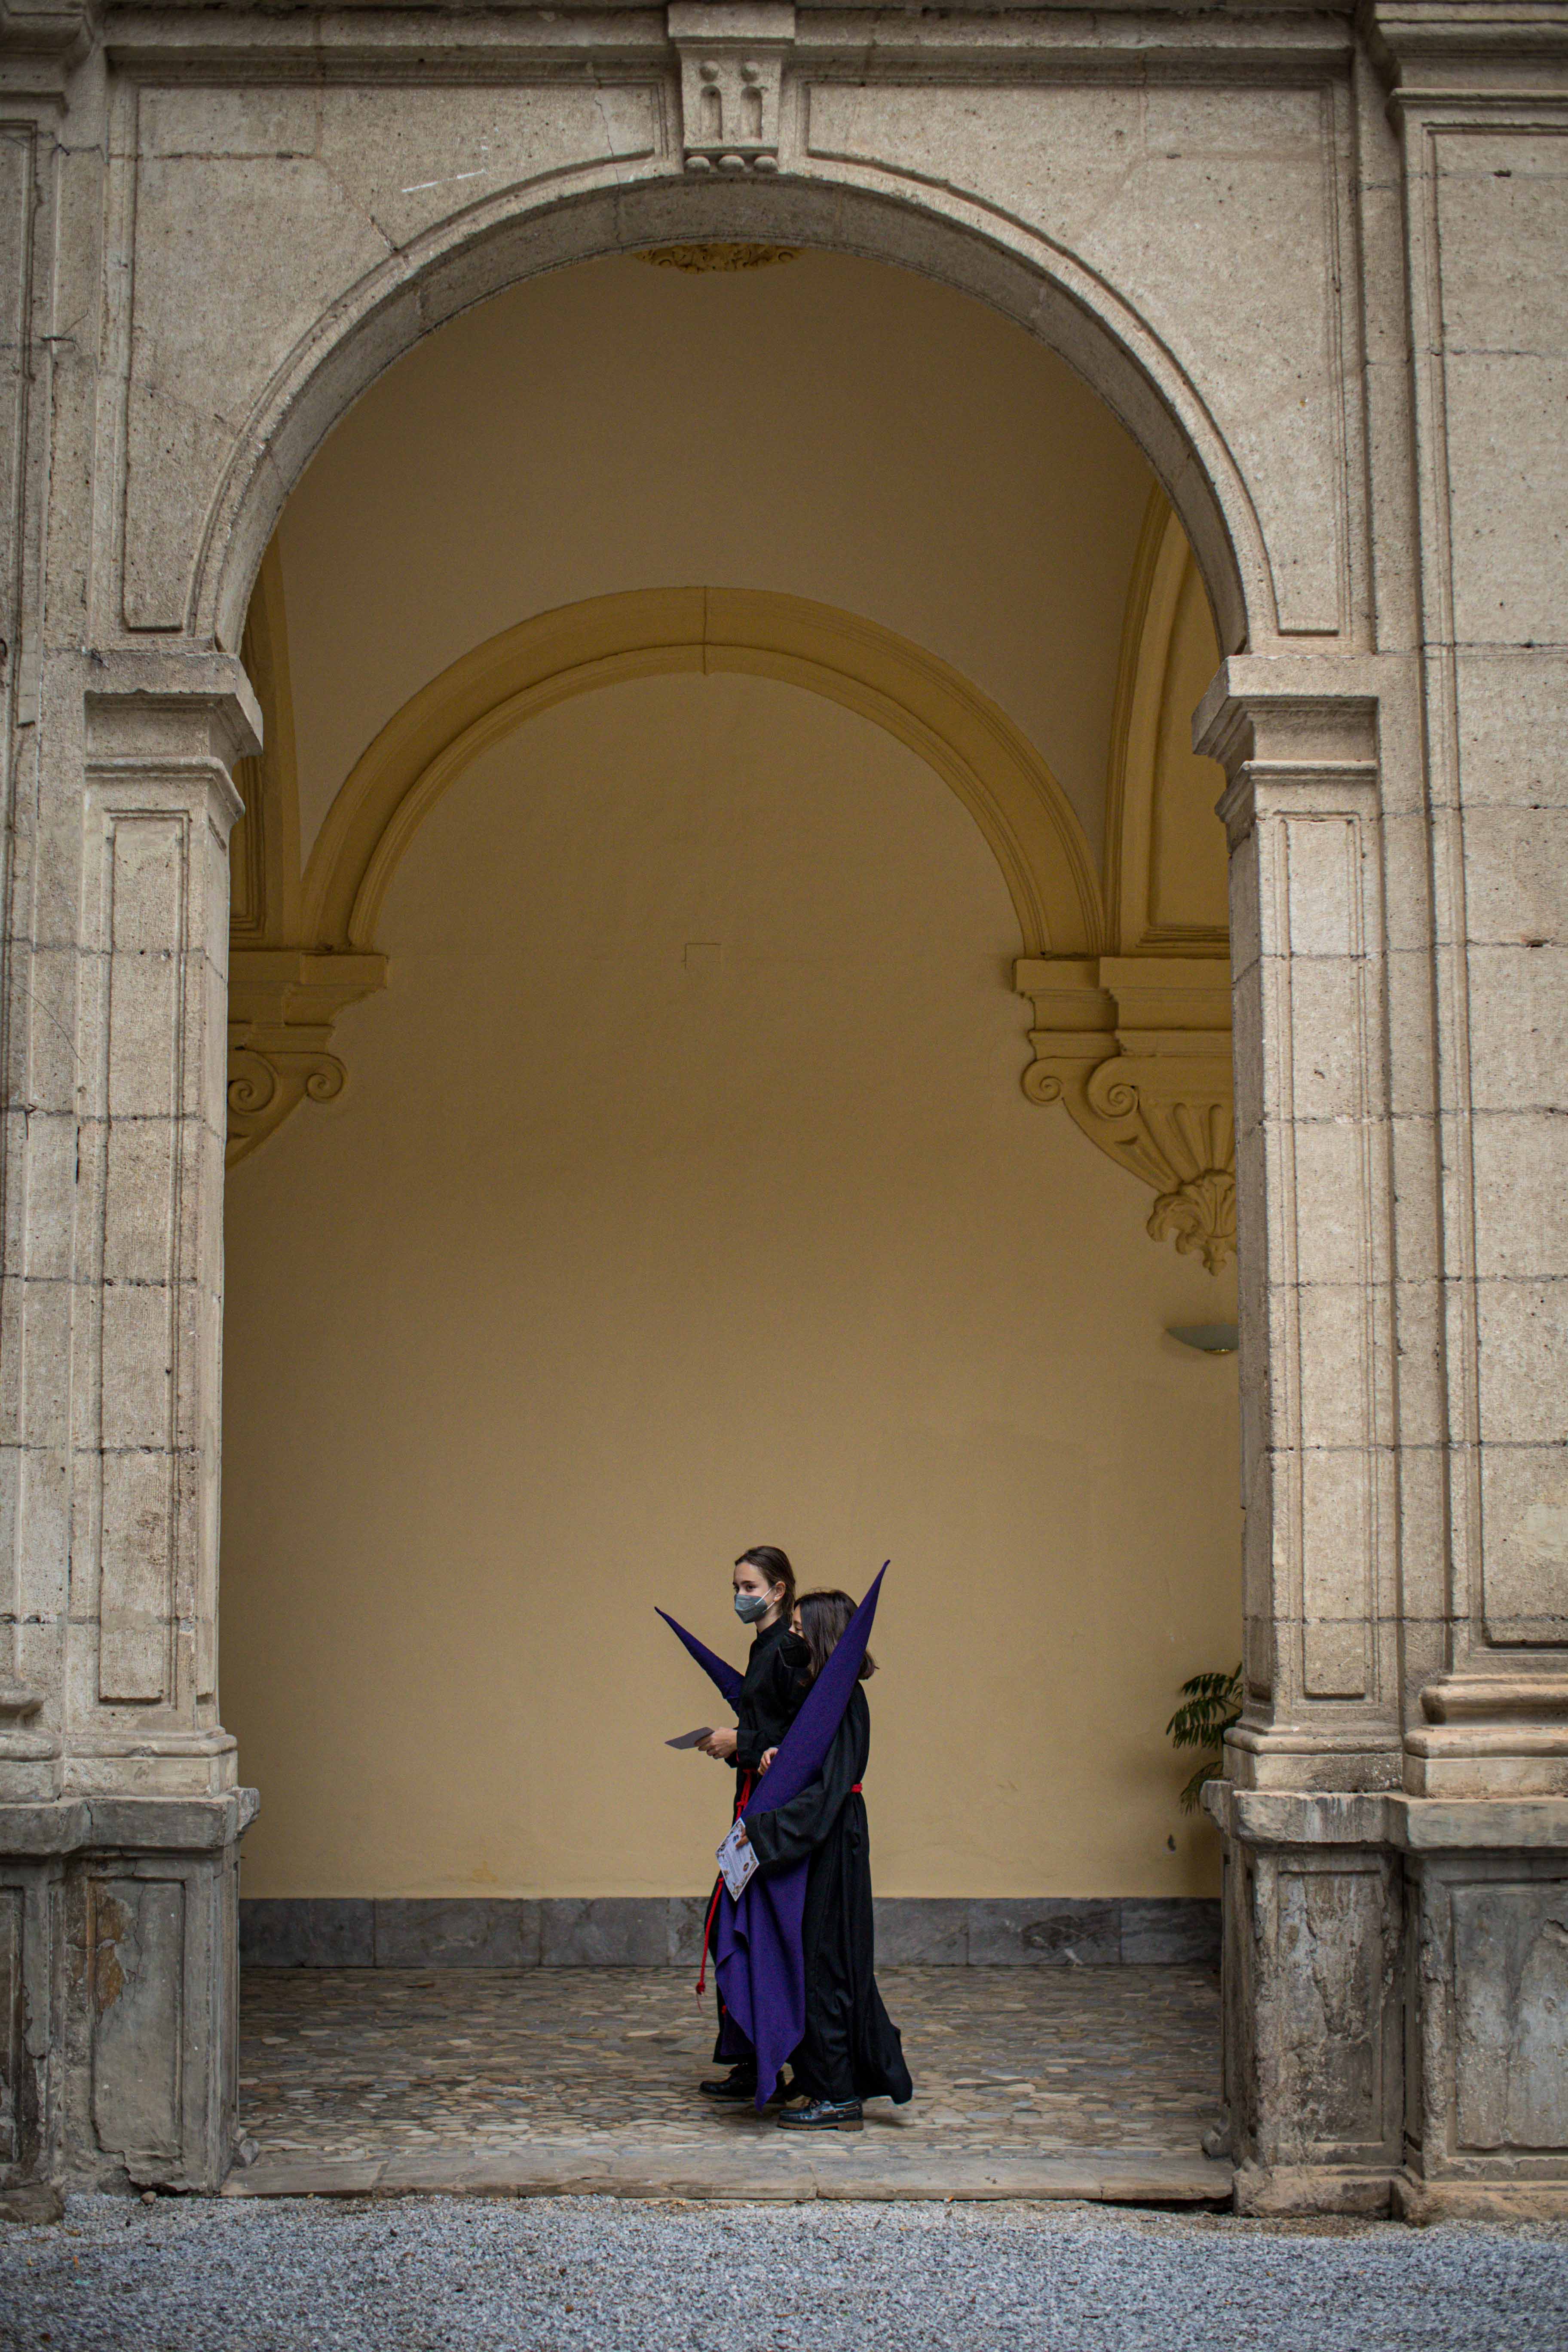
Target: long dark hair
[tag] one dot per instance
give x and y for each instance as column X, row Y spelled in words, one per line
column 774, row 1565
column 823, row 1618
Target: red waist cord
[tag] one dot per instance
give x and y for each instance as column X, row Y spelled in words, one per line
column 742, row 1793
column 745, row 1790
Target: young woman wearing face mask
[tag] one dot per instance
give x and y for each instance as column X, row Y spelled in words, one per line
column 776, row 1680
column 850, row 2049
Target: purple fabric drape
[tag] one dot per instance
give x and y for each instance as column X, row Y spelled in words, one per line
column 726, row 1677
column 760, row 1963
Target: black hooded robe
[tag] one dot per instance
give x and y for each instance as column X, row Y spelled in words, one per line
column 851, row 2049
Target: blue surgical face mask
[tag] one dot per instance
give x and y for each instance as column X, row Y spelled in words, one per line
column 751, row 1606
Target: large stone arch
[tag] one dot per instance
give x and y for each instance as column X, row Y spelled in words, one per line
column 1088, row 321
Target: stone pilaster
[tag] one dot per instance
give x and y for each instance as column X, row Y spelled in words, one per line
column 1482, row 116
column 1394, row 1963
column 118, row 1988
column 1486, row 2126
column 142, row 1644
column 119, row 1818
column 1299, row 740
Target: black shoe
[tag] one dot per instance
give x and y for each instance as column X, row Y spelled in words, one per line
column 824, row 2114
column 741, row 2083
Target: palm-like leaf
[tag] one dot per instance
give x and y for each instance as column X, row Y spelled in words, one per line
column 1211, row 1703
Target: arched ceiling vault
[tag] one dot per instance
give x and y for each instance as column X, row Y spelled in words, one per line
column 1133, row 1038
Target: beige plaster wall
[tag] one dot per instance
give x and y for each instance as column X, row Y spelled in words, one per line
column 1187, row 877
column 830, row 428
column 684, row 1197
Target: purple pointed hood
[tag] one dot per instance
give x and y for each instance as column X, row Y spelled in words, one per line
column 761, row 1964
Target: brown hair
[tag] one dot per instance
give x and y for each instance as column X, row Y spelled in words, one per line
column 774, row 1565
column 824, row 1616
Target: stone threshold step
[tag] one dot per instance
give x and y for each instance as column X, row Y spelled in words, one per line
column 791, row 2175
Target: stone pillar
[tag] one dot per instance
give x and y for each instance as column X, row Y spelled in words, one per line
column 1484, row 1831
column 119, row 1813
column 1299, row 739
column 1486, row 170
column 1314, row 748
column 1395, row 1810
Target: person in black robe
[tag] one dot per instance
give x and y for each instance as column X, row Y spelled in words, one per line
column 850, row 2049
column 777, row 1678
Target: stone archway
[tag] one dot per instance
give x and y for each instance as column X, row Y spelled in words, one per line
column 463, row 259
column 200, row 718
column 254, row 217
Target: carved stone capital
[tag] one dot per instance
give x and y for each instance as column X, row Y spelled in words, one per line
column 1138, row 1049
column 283, row 1005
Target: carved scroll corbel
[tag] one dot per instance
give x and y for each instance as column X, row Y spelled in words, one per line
column 1138, row 1049
column 283, row 1005
column 267, row 1078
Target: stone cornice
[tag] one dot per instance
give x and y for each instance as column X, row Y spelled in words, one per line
column 438, row 44
column 1282, row 1817
column 60, row 29
column 1455, row 52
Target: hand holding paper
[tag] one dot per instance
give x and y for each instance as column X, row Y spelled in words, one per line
column 737, row 1859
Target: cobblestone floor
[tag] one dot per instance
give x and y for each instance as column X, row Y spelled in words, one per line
column 371, row 2063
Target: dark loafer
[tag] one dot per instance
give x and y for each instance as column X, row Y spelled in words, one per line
column 741, row 2083
column 824, row 2114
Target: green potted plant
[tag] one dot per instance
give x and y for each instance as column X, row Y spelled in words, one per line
column 1211, row 1703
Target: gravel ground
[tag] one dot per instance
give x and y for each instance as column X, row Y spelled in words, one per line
column 554, row 2275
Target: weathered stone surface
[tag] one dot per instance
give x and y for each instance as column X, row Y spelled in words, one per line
column 123, row 1996
column 39, row 2203
column 686, row 1915
column 457, row 1934
column 1427, row 2202
column 307, row 1932
column 932, row 1932
column 1510, row 2038
column 1166, row 1928
column 1058, row 1933
column 614, row 1931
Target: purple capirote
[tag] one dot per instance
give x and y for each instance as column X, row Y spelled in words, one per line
column 760, row 1962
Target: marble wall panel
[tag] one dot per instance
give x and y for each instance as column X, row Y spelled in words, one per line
column 137, row 1961
column 13, row 2052
column 1329, row 2009
column 1510, row 1996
